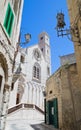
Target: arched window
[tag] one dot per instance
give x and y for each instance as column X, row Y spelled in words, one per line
column 36, row 72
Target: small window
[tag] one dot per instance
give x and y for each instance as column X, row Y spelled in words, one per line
column 22, row 59
column 41, row 38
column 50, row 92
column 9, row 18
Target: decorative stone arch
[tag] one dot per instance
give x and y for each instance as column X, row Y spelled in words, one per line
column 6, row 65
column 37, row 54
column 5, row 85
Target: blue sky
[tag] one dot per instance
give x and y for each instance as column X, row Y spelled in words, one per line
column 39, row 16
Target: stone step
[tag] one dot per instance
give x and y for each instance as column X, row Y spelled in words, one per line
column 25, row 113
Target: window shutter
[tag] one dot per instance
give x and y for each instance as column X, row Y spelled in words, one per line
column 8, row 21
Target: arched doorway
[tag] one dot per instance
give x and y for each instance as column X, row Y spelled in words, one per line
column 3, row 78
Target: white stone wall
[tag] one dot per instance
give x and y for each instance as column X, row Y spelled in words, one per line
column 13, row 95
column 33, row 94
column 2, row 87
column 30, row 63
column 24, row 114
column 33, row 89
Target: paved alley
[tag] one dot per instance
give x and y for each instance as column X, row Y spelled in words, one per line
column 27, row 125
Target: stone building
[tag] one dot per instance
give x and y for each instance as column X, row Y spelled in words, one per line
column 10, row 19
column 63, row 96
column 74, row 9
column 35, row 69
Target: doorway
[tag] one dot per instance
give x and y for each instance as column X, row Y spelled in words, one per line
column 52, row 112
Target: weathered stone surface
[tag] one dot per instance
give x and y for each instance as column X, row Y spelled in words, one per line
column 64, row 85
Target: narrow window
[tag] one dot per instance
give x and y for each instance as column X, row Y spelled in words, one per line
column 22, row 59
column 41, row 38
column 50, row 92
column 34, row 71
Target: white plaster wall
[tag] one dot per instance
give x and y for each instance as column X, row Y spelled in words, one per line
column 25, row 114
column 33, row 94
column 26, row 94
column 13, row 95
column 30, row 63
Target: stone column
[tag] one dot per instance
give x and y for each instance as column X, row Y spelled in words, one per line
column 32, row 95
column 39, row 97
column 5, row 102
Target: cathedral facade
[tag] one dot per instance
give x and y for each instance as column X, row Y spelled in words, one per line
column 35, row 68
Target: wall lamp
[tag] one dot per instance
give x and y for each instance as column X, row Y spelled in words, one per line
column 27, row 39
column 71, row 32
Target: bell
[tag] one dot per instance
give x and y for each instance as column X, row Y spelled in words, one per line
column 60, row 20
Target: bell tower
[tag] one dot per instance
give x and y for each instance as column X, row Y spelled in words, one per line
column 44, row 45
